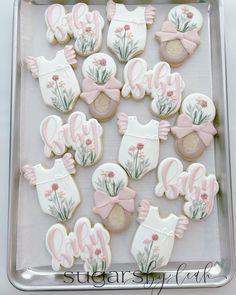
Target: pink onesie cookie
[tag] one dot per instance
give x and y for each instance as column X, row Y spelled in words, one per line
column 87, row 243
column 179, row 36
column 57, row 192
column 58, row 83
column 194, row 130
column 100, row 88
column 114, row 201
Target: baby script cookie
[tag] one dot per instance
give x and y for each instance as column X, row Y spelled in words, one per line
column 194, row 129
column 198, row 189
column 127, row 32
column 179, row 36
column 90, row 244
column 83, row 136
column 164, row 87
column 57, row 192
column 87, row 29
column 100, row 88
column 154, row 239
column 114, row 201
column 58, row 83
column 139, row 148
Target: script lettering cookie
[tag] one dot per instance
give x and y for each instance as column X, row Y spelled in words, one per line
column 114, row 201
column 87, row 29
column 57, row 192
column 179, row 36
column 58, row 83
column 100, row 88
column 127, row 32
column 164, row 87
column 87, row 243
column 139, row 148
column 154, row 239
column 198, row 188
column 194, row 129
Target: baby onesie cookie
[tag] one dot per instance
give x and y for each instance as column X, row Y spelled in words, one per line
column 90, row 244
column 198, row 189
column 57, row 22
column 194, row 129
column 154, row 239
column 164, row 87
column 127, row 32
column 58, row 83
column 179, row 36
column 87, row 29
column 114, row 201
column 100, row 88
column 139, row 148
column 57, row 192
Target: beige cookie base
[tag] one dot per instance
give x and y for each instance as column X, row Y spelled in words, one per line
column 103, row 108
column 55, row 41
column 118, row 220
column 97, row 49
column 173, row 52
column 190, row 147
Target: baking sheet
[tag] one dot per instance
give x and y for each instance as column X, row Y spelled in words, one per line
column 32, row 222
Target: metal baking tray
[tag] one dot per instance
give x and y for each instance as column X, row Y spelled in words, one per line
column 192, row 263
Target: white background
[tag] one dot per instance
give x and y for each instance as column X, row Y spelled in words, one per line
column 5, row 80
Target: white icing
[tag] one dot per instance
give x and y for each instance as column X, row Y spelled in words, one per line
column 99, row 67
column 199, row 107
column 189, row 17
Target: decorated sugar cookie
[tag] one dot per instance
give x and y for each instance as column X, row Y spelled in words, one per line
column 194, row 129
column 127, row 32
column 171, row 180
column 139, row 149
column 57, row 192
column 52, row 134
column 85, row 138
column 179, row 35
column 164, row 87
column 90, row 244
column 87, row 29
column 82, row 135
column 58, row 83
column 154, row 239
column 57, row 22
column 198, row 189
column 200, row 192
column 100, row 88
column 114, row 201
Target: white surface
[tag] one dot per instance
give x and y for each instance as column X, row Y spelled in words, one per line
column 5, row 48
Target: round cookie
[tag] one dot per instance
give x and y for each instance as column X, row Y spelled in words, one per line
column 101, row 90
column 194, row 130
column 114, row 201
column 179, row 34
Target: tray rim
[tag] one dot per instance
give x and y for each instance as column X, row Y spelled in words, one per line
column 12, row 274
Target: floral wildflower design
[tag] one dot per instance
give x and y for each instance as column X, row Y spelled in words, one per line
column 60, row 207
column 99, row 71
column 96, row 262
column 109, row 184
column 183, row 21
column 124, row 44
column 137, row 165
column 149, row 258
column 198, row 112
column 86, row 39
column 61, row 97
column 85, row 152
column 166, row 103
column 199, row 207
